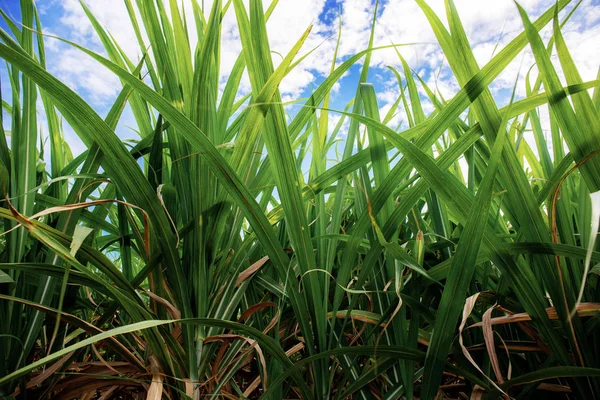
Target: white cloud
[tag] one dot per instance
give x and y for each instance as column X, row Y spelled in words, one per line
column 489, row 25
column 112, row 14
column 585, row 49
column 82, row 73
column 287, row 23
column 399, row 21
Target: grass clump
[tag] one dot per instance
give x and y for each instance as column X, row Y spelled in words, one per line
column 398, row 272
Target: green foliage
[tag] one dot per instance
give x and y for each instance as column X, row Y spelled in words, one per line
column 200, row 262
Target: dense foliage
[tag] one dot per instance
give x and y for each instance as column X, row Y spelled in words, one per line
column 398, row 272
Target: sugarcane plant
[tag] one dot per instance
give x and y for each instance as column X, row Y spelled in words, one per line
column 224, row 255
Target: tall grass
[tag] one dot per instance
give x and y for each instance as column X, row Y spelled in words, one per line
column 379, row 277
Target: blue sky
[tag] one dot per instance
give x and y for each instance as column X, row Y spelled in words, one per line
column 488, row 24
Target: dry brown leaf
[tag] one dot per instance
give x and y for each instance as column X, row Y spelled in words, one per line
column 271, row 323
column 477, row 393
column 108, row 394
column 248, row 272
column 583, row 309
column 102, row 360
column 256, row 382
column 189, row 388
column 89, row 328
column 509, row 373
column 469, row 304
column 85, row 388
column 293, row 350
column 253, row 345
column 39, row 379
column 488, row 335
column 173, row 311
column 252, row 387
column 254, row 309
column 156, row 387
column 551, row 387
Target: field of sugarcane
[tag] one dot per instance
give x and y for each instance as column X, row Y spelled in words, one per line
column 223, row 256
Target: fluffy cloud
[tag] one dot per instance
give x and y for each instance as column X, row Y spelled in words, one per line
column 489, row 27
column 289, row 20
